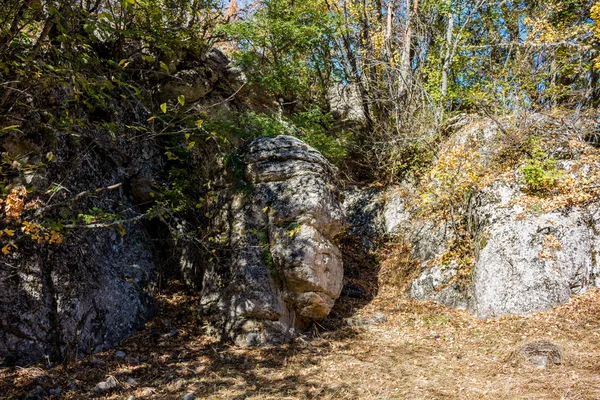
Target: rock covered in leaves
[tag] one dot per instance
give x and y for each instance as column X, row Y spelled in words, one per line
column 481, row 239
column 283, row 268
column 525, row 251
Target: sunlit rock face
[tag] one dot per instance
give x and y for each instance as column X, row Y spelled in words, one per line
column 282, row 267
column 531, row 252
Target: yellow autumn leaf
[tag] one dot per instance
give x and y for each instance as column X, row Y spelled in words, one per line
column 6, row 249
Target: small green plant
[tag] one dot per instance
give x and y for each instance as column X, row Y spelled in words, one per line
column 540, row 171
column 293, row 229
column 265, row 246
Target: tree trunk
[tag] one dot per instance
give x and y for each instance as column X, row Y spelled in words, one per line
column 16, row 22
column 388, row 31
column 448, row 55
column 405, row 78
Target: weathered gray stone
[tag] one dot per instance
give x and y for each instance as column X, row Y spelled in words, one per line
column 532, row 261
column 364, row 212
column 62, row 301
column 526, row 260
column 282, row 267
column 108, row 384
column 540, row 353
column 375, row 319
column 345, row 102
column 395, row 214
column 438, row 283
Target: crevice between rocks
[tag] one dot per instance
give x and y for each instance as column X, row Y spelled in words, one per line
column 51, row 305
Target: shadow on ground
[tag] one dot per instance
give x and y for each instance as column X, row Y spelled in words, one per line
column 173, row 356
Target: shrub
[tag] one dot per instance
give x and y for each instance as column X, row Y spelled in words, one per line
column 540, row 172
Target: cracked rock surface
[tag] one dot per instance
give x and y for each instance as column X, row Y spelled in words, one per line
column 284, row 268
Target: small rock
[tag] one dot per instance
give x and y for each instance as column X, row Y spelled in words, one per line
column 132, row 381
column 55, row 391
column 173, row 332
column 146, row 392
column 132, row 360
column 36, row 394
column 98, row 363
column 119, row 354
column 379, row 318
column 375, row 319
column 131, row 398
column 188, row 396
column 542, row 353
column 176, row 385
column 109, row 383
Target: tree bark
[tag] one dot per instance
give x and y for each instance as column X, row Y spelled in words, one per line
column 16, row 22
column 405, row 84
column 448, row 55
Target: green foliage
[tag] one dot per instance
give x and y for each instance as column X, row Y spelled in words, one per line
column 414, row 159
column 313, row 126
column 285, row 46
column 316, row 129
column 265, row 246
column 540, row 171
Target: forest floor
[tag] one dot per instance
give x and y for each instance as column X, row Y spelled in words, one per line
column 422, row 351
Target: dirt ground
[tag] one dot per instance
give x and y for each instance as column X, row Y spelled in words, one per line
column 422, row 351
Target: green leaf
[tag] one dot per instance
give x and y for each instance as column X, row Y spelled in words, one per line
column 163, row 107
column 164, row 66
column 181, row 99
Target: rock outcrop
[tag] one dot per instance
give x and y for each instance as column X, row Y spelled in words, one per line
column 531, row 261
column 61, row 302
column 531, row 252
column 281, row 268
column 528, row 252
column 86, row 296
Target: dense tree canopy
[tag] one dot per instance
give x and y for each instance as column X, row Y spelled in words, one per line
column 411, row 64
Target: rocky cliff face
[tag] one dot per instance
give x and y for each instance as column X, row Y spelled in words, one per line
column 83, row 297
column 282, row 268
column 93, row 290
column 530, row 251
column 60, row 302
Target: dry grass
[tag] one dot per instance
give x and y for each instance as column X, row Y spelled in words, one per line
column 423, row 351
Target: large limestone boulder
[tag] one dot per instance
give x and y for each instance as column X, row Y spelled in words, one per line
column 530, row 251
column 531, row 261
column 281, row 267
